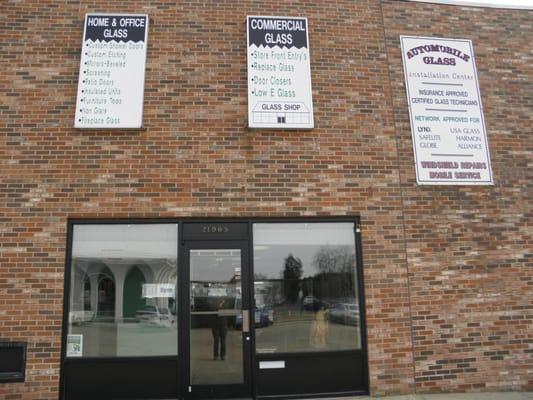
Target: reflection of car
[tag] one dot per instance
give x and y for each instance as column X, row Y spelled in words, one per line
column 78, row 317
column 262, row 317
column 344, row 313
column 311, row 303
column 155, row 315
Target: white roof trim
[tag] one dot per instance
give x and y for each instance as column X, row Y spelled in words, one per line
column 517, row 4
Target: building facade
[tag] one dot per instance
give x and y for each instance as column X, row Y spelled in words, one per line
column 414, row 288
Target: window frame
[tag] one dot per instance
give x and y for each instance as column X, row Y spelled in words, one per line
column 68, row 284
column 355, row 220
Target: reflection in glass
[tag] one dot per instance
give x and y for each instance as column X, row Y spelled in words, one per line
column 123, row 290
column 216, row 317
column 305, row 287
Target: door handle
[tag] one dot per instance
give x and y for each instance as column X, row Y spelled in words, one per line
column 245, row 321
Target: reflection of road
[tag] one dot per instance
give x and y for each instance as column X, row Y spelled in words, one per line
column 291, row 336
column 205, row 370
column 134, row 339
column 109, row 339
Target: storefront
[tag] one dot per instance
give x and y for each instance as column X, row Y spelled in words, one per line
column 214, row 308
column 242, row 199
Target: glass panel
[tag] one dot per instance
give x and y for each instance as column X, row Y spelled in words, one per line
column 216, row 317
column 123, row 291
column 305, row 287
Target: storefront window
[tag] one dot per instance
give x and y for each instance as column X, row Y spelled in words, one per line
column 305, row 287
column 123, row 291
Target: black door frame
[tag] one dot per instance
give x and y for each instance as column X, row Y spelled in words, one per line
column 213, row 391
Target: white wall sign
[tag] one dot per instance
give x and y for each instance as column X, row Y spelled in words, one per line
column 447, row 124
column 111, row 79
column 279, row 73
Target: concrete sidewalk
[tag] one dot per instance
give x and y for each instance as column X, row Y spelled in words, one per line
column 449, row 396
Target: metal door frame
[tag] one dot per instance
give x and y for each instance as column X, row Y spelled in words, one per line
column 206, row 391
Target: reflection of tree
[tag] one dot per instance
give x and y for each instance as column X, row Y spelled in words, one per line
column 292, row 272
column 334, row 259
column 336, row 268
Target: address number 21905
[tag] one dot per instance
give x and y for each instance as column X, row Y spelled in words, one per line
column 215, row 229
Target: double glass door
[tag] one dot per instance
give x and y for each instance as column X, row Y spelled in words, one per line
column 217, row 342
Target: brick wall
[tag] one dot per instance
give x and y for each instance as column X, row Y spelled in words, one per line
column 466, row 250
column 469, row 250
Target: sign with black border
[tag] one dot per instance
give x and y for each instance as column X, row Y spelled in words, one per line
column 279, row 73
column 112, row 67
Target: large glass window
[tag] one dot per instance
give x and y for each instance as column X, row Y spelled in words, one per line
column 123, row 290
column 305, row 287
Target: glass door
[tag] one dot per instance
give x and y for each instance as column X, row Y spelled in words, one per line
column 218, row 335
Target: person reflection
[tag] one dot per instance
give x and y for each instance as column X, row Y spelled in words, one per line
column 319, row 328
column 219, row 330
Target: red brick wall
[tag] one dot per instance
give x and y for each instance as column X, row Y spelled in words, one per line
column 469, row 250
